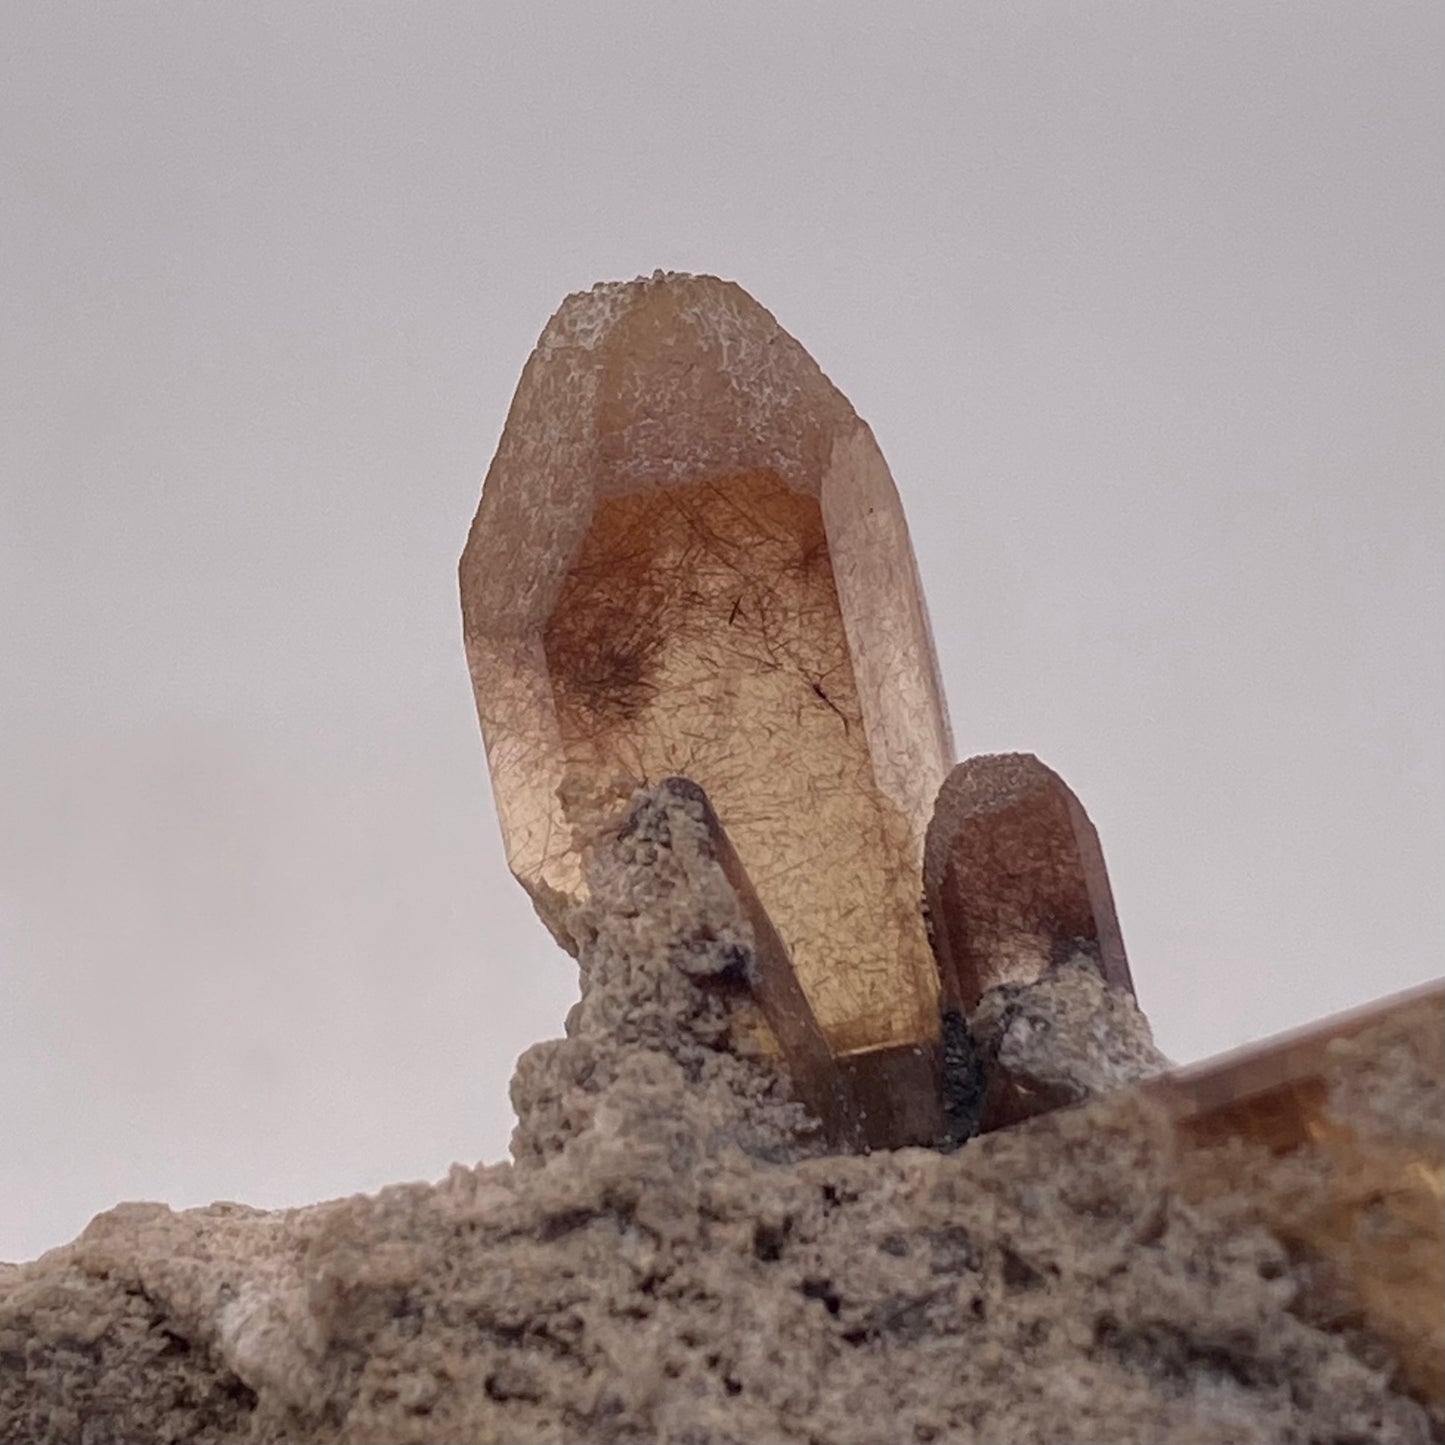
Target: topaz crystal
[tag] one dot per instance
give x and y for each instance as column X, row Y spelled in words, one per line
column 875, row 1099
column 1015, row 881
column 690, row 559
column 770, row 978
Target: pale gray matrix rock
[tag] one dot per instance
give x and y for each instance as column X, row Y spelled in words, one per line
column 672, row 1256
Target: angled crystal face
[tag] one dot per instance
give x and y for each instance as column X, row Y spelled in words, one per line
column 773, row 983
column 876, row 1099
column 690, row 559
column 1348, row 1120
column 1015, row 880
column 1275, row 1092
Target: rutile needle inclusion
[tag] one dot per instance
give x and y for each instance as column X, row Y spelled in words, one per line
column 690, row 559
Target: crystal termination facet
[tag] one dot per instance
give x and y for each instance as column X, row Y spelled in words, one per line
column 690, row 559
column 1015, row 880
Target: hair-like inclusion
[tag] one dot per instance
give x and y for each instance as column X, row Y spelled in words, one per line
column 690, row 560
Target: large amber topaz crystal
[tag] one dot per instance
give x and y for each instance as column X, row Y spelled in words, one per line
column 690, row 559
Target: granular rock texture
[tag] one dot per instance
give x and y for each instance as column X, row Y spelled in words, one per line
column 1334, row 1135
column 1060, row 1040
column 671, row 1256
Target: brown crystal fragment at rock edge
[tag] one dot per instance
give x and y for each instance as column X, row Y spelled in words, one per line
column 1345, row 1168
column 690, row 559
column 1014, row 880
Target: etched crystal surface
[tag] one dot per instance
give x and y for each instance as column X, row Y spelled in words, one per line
column 1015, row 880
column 690, row 559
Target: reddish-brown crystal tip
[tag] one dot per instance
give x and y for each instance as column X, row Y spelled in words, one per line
column 1015, row 880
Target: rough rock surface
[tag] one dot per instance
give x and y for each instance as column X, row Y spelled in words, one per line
column 1059, row 1040
column 671, row 1256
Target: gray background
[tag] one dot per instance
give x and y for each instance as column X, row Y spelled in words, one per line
column 1143, row 302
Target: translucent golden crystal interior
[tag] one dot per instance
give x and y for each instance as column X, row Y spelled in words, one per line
column 690, row 560
column 699, row 633
column 1364, row 1188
